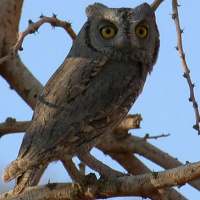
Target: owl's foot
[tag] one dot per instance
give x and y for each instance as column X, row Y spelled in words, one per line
column 98, row 166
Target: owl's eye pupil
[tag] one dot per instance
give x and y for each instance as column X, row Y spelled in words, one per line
column 108, row 31
column 141, row 31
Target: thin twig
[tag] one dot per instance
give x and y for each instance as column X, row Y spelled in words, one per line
column 155, row 4
column 33, row 27
column 147, row 136
column 186, row 75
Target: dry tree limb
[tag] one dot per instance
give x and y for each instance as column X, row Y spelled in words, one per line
column 14, row 71
column 12, row 126
column 186, row 74
column 147, row 136
column 141, row 185
column 133, row 144
column 156, row 4
column 33, row 27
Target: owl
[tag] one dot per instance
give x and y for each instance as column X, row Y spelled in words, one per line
column 90, row 93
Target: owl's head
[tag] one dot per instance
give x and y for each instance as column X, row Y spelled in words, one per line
column 123, row 33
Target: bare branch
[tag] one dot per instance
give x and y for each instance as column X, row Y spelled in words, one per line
column 134, row 166
column 156, row 4
column 11, row 126
column 147, row 136
column 186, row 75
column 141, row 185
column 132, row 144
column 33, row 27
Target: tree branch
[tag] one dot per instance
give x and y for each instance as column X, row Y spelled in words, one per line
column 32, row 28
column 141, row 185
column 134, row 166
column 14, row 71
column 115, row 143
column 11, row 126
column 156, row 4
column 186, row 75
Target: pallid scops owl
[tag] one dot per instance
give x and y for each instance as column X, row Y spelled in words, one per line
column 91, row 92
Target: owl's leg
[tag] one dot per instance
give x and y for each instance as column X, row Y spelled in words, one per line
column 72, row 170
column 98, row 166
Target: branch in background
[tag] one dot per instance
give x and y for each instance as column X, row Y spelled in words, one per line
column 141, row 185
column 147, row 136
column 186, row 75
column 12, row 126
column 118, row 144
column 32, row 28
column 134, row 166
column 156, row 4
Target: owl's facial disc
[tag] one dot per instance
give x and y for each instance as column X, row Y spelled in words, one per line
column 119, row 33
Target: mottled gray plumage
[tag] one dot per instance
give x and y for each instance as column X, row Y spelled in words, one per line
column 91, row 92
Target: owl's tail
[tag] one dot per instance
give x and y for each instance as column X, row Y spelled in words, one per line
column 25, row 175
column 15, row 169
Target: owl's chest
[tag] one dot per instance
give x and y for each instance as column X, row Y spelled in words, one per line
column 117, row 85
column 119, row 78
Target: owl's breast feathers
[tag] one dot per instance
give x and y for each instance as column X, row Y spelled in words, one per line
column 83, row 95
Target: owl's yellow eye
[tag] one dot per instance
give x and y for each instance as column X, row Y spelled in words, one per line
column 141, row 31
column 108, row 32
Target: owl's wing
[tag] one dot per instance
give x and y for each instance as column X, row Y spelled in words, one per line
column 57, row 103
column 56, row 113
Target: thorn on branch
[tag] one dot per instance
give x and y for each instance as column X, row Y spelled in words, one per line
column 174, row 16
column 30, row 22
column 41, row 16
column 68, row 24
column 182, row 30
column 51, row 186
column 54, row 16
column 195, row 105
column 186, row 74
column 196, row 127
column 182, row 55
column 155, row 174
column 10, row 121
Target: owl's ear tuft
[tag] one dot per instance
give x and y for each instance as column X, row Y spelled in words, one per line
column 97, row 9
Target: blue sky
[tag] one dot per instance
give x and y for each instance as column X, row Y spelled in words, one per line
column 163, row 104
